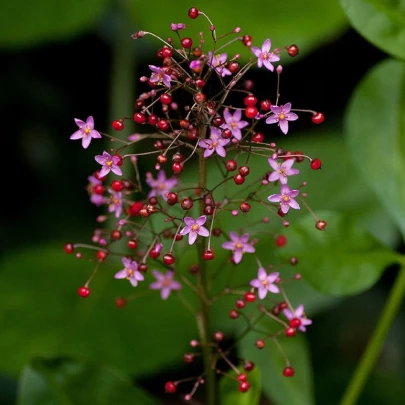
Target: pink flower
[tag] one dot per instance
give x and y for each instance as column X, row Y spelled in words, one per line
column 281, row 115
column 264, row 56
column 161, row 186
column 164, row 283
column 109, row 163
column 194, row 228
column 298, row 314
column 285, row 198
column 86, row 131
column 265, row 283
column 215, row 144
column 218, row 62
column 234, row 123
column 130, row 271
column 239, row 245
column 115, row 203
column 159, row 76
column 281, row 170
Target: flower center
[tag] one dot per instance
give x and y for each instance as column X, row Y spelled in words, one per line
column 130, row 273
column 264, row 282
column 195, row 228
column 285, row 198
column 87, row 131
column 233, row 125
column 239, row 245
column 281, row 116
column 109, row 163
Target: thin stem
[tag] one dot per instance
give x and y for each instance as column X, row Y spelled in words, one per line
column 203, row 317
column 370, row 356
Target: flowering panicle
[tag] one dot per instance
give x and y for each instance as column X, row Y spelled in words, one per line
column 177, row 206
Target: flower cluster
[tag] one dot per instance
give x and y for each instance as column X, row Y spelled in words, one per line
column 165, row 212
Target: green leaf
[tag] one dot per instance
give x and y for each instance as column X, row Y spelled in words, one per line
column 375, row 131
column 41, row 314
column 381, row 22
column 229, row 393
column 342, row 260
column 296, row 390
column 24, row 22
column 68, row 382
column 308, row 24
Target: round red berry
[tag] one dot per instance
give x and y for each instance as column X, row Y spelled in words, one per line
column 240, row 303
column 321, row 225
column 98, row 189
column 231, row 165
column 295, row 323
column 281, row 241
column 120, row 302
column 116, row 234
column 247, row 40
column 188, row 357
column 318, row 118
column 118, row 125
column 186, row 43
column 139, row 118
column 248, row 365
column 293, row 50
column 244, row 171
column 244, row 386
column 143, row 267
column 153, row 119
column 117, row 185
column 260, row 344
column 193, row 13
column 166, row 98
column 170, row 387
column 132, row 244
column 83, row 292
column 258, row 137
column 242, row 377
column 265, row 105
column 101, row 255
column 233, row 314
column 168, row 259
column 177, row 167
column 250, row 100
column 290, row 332
column 119, row 160
column 163, row 125
column 208, row 255
column 251, row 112
column 218, row 336
column 172, row 198
column 316, row 164
column 288, row 372
column 238, row 179
column 226, row 133
column 250, row 296
column 186, row 203
column 245, row 206
column 68, row 248
column 234, row 67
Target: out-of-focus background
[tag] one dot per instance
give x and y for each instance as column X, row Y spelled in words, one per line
column 72, row 59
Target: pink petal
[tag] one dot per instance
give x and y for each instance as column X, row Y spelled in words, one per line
column 203, row 231
column 192, row 236
column 249, row 249
column 237, row 256
column 185, row 230
column 189, row 221
column 228, row 117
column 274, row 198
column 256, row 51
column 77, row 135
column 272, row 119
column 286, row 108
column 266, row 46
column 80, row 123
column 273, row 163
column 133, row 281
column 261, row 274
column 291, row 117
column 294, row 204
column 116, row 170
column 121, row 274
column 273, row 288
column 165, row 293
column 256, row 283
column 228, row 245
column 90, row 122
column 268, row 65
column 284, row 126
column 155, row 286
column 201, row 220
column 86, row 141
column 262, row 292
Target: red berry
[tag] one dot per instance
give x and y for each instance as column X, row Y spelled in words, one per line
column 250, row 100
column 242, row 377
column 116, row 234
column 170, row 387
column 218, row 336
column 240, row 303
column 200, row 83
column 290, row 332
column 120, row 302
column 139, row 118
column 168, row 259
column 153, row 119
column 84, row 292
column 199, row 97
column 186, row 43
column 293, row 50
column 143, row 267
column 245, row 206
column 218, row 121
column 135, row 208
column 316, row 164
column 118, row 125
column 250, row 296
column 281, row 241
column 193, row 13
column 166, row 98
column 177, row 168
column 234, row 67
column 231, row 165
column 163, row 125
column 265, row 105
column 283, row 305
column 318, row 118
column 188, row 357
column 99, row 189
column 226, row 133
column 172, row 198
column 248, row 84
column 247, row 40
column 244, row 170
column 233, row 314
column 167, row 52
column 68, row 248
column 321, row 225
column 187, row 203
column 244, row 386
column 257, row 137
column 238, row 179
column 119, row 160
column 132, row 244
column 295, row 323
column 299, row 156
column 154, row 254
column 208, row 255
column 117, row 185
column 101, row 255
column 288, row 372
column 251, row 112
column 248, row 365
column 260, row 344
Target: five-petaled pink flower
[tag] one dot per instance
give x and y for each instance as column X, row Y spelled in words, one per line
column 194, row 227
column 115, row 202
column 265, row 283
column 86, row 131
column 264, row 56
column 215, row 144
column 109, row 163
column 161, row 186
column 281, row 115
column 218, row 62
column 298, row 314
column 234, row 123
column 239, row 245
column 281, row 170
column 285, row 198
column 159, row 76
column 164, row 283
column 130, row 271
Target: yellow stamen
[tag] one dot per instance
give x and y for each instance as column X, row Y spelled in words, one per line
column 281, row 116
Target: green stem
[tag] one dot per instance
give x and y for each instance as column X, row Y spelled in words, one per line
column 373, row 349
column 203, row 317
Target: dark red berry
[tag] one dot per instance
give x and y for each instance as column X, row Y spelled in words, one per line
column 83, row 292
column 188, row 357
column 318, row 118
column 193, row 13
column 234, row 67
column 166, row 98
column 172, row 198
column 118, row 125
column 177, row 167
column 187, row 203
column 288, row 372
column 295, row 323
column 199, row 97
column 258, row 137
column 316, row 164
column 135, row 208
column 120, row 302
column 250, row 100
column 208, row 255
column 101, row 255
column 98, row 189
column 238, row 179
column 143, row 267
column 139, row 118
column 116, row 234
column 226, row 133
column 244, row 170
column 293, row 50
column 321, row 225
column 281, row 241
column 233, row 314
column 170, row 387
column 265, row 105
column 117, row 185
column 248, row 365
column 218, row 121
column 251, row 112
column 132, row 244
column 153, row 119
column 250, row 296
column 218, row 336
column 68, row 248
column 186, row 43
column 119, row 160
column 168, row 259
column 242, row 377
column 248, row 84
column 244, row 386
column 245, row 206
column 200, row 83
column 240, row 303
column 283, row 305
column 260, row 344
column 163, row 125
column 167, row 52
column 290, row 332
column 247, row 40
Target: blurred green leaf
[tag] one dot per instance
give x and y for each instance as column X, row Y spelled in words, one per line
column 24, row 22
column 229, row 393
column 381, row 22
column 65, row 382
column 296, row 390
column 375, row 130
column 342, row 260
column 307, row 23
column 42, row 315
